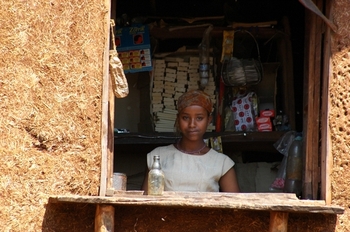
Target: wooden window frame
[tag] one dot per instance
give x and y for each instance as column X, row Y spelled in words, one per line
column 317, row 70
column 317, row 73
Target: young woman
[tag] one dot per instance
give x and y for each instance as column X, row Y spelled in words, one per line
column 189, row 165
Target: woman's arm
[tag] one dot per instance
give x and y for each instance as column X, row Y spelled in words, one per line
column 228, row 182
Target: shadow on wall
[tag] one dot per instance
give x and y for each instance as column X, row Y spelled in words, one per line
column 80, row 218
column 69, row 217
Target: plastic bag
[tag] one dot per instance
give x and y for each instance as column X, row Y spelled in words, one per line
column 282, row 145
column 119, row 82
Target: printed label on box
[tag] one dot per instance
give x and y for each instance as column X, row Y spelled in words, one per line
column 134, row 48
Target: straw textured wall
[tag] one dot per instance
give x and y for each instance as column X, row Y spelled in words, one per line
column 50, row 111
column 50, row 105
column 340, row 112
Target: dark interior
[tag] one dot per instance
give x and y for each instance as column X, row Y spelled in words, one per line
column 226, row 11
column 221, row 14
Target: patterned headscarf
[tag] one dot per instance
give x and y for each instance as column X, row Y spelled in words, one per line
column 195, row 97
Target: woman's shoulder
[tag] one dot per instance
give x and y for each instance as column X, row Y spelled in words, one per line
column 162, row 149
column 212, row 152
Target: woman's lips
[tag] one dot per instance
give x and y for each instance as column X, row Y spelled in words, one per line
column 192, row 132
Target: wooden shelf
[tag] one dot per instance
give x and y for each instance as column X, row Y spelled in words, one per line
column 235, row 141
column 169, row 137
column 190, row 32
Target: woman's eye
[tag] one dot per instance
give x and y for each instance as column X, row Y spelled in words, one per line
column 184, row 117
column 199, row 118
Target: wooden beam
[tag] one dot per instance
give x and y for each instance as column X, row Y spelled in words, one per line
column 306, row 188
column 278, row 221
column 280, row 202
column 105, row 98
column 110, row 152
column 104, row 218
column 312, row 95
column 190, row 32
column 326, row 154
column 285, row 50
column 315, row 171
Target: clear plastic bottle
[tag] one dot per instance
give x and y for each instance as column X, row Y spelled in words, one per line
column 293, row 182
column 156, row 178
column 204, row 64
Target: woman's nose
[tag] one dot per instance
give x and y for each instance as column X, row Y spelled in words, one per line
column 192, row 123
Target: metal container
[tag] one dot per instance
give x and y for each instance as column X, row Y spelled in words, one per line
column 119, row 181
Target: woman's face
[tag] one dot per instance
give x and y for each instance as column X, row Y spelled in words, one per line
column 193, row 122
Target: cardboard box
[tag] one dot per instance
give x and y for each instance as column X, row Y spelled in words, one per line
column 267, row 113
column 264, row 123
column 134, row 48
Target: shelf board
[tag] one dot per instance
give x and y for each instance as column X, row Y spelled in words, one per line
column 231, row 141
column 190, row 32
column 169, row 137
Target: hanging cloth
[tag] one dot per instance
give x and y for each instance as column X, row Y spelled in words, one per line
column 119, row 81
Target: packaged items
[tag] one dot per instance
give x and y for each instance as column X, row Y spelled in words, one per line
column 264, row 124
column 134, row 47
column 267, row 113
column 264, row 121
column 244, row 109
column 216, row 144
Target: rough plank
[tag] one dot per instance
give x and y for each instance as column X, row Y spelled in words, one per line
column 326, row 151
column 110, row 142
column 105, row 100
column 242, row 201
column 311, row 106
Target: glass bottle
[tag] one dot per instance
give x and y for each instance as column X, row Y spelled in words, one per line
column 156, row 178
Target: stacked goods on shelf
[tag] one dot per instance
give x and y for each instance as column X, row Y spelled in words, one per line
column 173, row 76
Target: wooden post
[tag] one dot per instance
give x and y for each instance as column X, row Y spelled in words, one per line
column 278, row 221
column 105, row 107
column 312, row 95
column 285, row 51
column 104, row 218
column 110, row 151
column 326, row 153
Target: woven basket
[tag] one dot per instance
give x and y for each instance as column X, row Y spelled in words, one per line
column 241, row 72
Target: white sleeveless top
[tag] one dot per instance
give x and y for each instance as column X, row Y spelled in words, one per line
column 191, row 173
